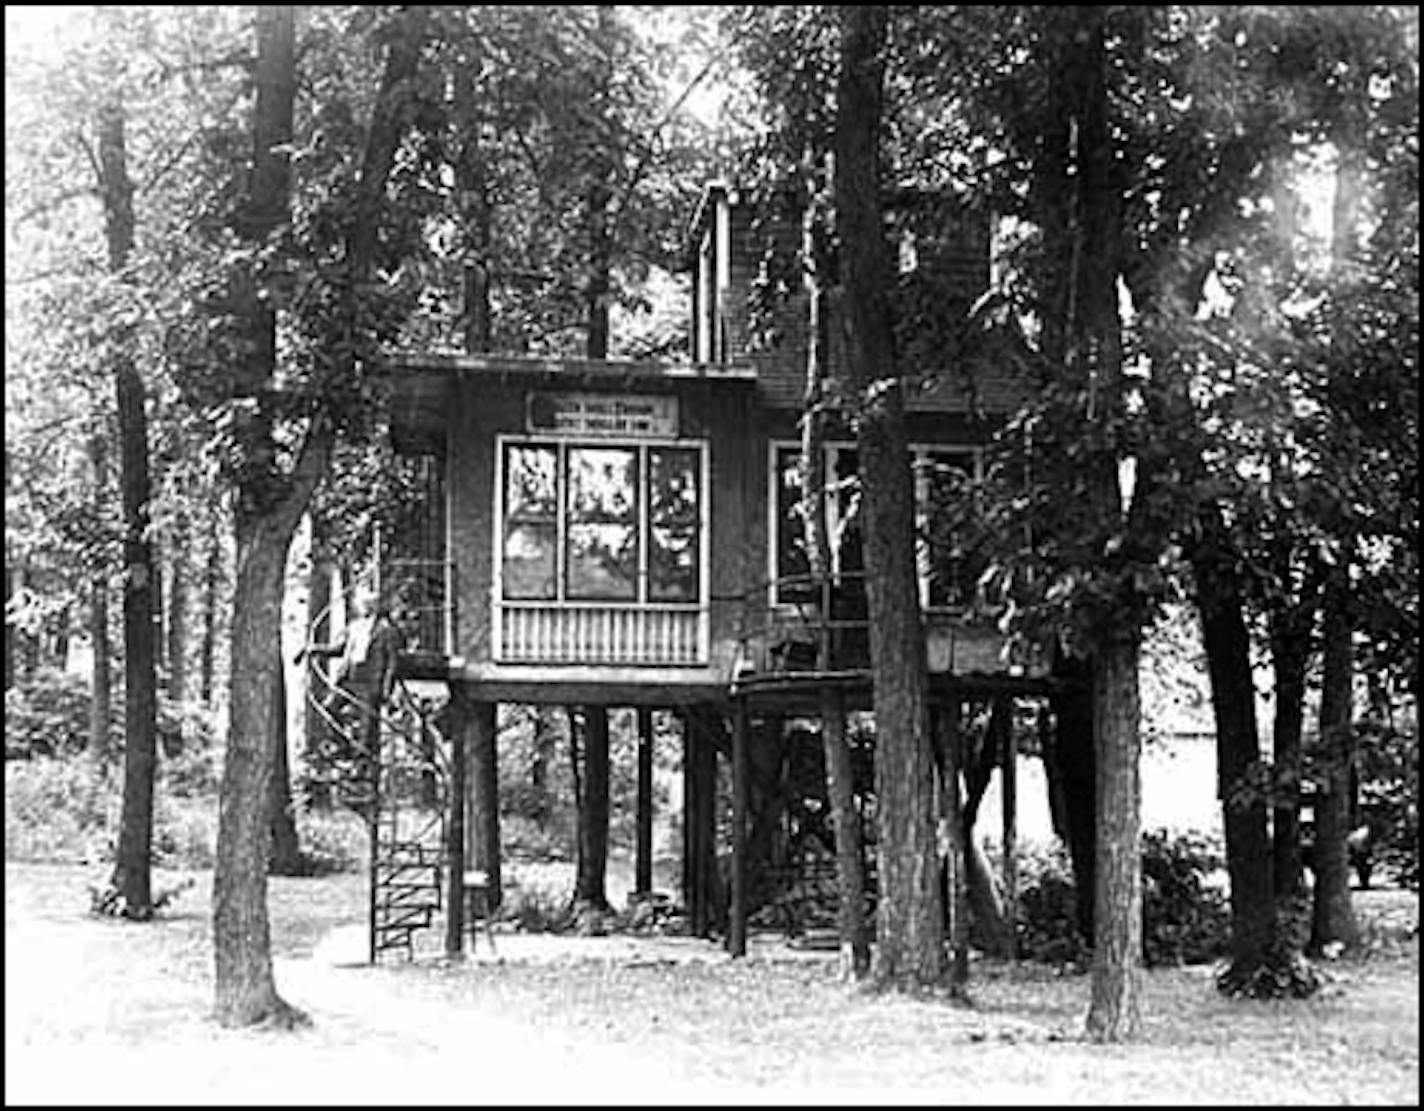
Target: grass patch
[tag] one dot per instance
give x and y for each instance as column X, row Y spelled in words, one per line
column 677, row 1020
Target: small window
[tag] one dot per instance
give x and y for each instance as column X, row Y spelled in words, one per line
column 673, row 516
column 603, row 523
column 531, row 524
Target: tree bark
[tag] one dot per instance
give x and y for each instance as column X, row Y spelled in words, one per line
column 1290, row 655
column 132, row 876
column 177, row 650
column 1333, row 921
column 1248, row 845
column 845, row 822
column 911, row 927
column 1113, row 1014
column 246, row 993
column 101, row 689
column 212, row 577
column 285, row 854
column 1070, row 762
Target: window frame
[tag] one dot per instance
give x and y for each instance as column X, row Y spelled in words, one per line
column 920, row 451
column 642, row 449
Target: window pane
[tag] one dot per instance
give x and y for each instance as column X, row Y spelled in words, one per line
column 793, row 569
column 529, row 561
column 672, row 564
column 603, row 484
column 529, row 483
column 603, row 561
column 672, row 486
column 603, row 532
column 955, row 553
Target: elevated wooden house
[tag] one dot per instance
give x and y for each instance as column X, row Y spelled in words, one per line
column 622, row 533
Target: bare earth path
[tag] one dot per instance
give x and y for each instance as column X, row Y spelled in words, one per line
column 107, row 1012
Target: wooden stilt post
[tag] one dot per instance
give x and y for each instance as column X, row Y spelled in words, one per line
column 691, row 859
column 643, row 859
column 741, row 786
column 455, row 829
column 1009, row 767
column 482, row 842
column 952, row 814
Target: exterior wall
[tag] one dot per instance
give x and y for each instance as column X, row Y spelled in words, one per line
column 719, row 413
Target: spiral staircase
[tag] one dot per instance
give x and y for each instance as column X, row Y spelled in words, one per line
column 393, row 770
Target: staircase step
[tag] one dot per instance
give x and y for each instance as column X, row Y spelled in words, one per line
column 411, row 918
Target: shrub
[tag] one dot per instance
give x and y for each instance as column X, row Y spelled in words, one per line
column 47, row 714
column 1185, row 915
column 332, row 841
column 65, row 810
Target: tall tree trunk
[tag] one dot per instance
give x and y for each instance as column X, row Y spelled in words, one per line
column 245, row 991
column 132, row 866
column 1333, row 917
column 177, row 650
column 101, row 688
column 270, row 504
column 845, row 822
column 911, row 926
column 1248, row 844
column 1070, row 763
column 1290, row 655
column 285, row 854
column 1117, row 896
column 212, row 579
column 592, row 868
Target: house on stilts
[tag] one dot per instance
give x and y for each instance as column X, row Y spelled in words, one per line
column 621, row 533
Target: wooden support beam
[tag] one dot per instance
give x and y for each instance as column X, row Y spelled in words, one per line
column 741, row 788
column 482, row 840
column 643, row 856
column 1009, row 768
column 455, row 829
column 690, row 888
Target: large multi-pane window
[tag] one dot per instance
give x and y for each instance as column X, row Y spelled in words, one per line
column 588, row 522
column 950, row 551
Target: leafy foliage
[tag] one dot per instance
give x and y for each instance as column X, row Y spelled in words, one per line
column 1185, row 919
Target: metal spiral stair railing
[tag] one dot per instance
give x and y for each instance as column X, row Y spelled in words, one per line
column 407, row 843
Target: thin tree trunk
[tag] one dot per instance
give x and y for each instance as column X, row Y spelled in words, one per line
column 132, row 867
column 101, row 690
column 212, row 578
column 177, row 651
column 911, row 926
column 1290, row 654
column 845, row 822
column 285, row 856
column 1333, row 922
column 1248, row 844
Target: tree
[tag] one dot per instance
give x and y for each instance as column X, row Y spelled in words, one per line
column 280, row 446
column 910, row 934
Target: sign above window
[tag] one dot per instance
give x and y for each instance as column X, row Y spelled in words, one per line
column 601, row 414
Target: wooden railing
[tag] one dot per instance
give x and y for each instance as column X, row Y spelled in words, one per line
column 601, row 633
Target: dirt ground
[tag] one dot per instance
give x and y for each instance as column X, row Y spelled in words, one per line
column 109, row 1012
